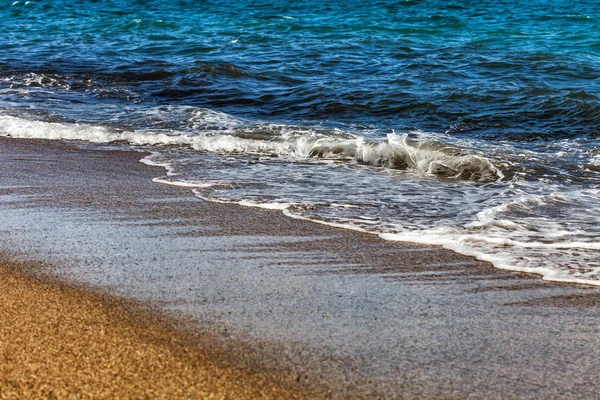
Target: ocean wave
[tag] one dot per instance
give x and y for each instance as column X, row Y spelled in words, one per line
column 512, row 110
column 396, row 152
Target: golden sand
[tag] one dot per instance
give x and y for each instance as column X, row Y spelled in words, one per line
column 61, row 342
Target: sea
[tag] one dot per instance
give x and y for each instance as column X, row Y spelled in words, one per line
column 472, row 125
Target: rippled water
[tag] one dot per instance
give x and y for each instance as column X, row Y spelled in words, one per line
column 470, row 126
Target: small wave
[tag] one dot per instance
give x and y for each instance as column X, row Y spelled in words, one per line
column 225, row 69
column 36, row 80
column 396, row 152
column 82, row 82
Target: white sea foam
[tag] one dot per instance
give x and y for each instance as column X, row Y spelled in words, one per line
column 185, row 184
column 428, row 157
column 267, row 206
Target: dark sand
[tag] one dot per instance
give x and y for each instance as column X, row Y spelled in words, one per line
column 299, row 307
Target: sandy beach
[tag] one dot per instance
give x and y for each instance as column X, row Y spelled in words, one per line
column 59, row 342
column 113, row 286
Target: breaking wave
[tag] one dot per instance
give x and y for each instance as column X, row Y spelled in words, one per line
column 395, row 152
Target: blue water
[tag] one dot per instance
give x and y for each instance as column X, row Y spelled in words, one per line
column 470, row 126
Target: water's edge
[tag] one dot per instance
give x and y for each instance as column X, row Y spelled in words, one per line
column 449, row 245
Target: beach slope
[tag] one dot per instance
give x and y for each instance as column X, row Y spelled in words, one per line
column 114, row 286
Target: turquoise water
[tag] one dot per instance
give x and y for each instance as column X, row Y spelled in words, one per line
column 470, row 126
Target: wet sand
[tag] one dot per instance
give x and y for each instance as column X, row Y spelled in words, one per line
column 304, row 307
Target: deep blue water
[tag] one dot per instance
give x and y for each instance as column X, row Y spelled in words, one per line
column 511, row 69
column 418, row 120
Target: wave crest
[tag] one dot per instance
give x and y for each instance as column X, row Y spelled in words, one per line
column 400, row 152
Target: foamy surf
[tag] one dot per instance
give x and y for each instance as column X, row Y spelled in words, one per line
column 421, row 188
column 395, row 152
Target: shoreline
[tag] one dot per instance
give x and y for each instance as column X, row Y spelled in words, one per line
column 327, row 284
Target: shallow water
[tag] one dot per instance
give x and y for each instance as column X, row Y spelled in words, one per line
column 473, row 127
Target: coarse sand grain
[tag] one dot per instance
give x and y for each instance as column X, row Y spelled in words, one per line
column 60, row 342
